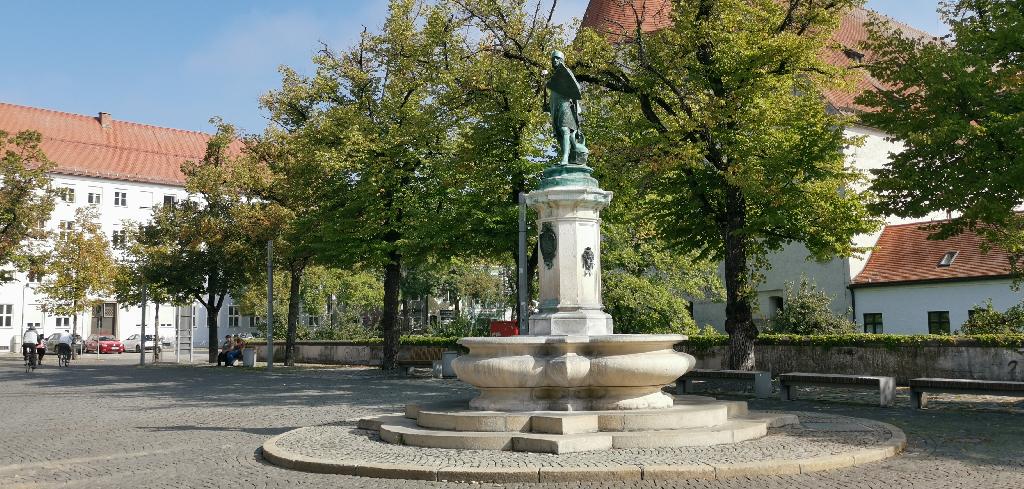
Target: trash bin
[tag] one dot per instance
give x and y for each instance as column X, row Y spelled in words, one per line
column 446, row 364
column 248, row 357
column 437, row 370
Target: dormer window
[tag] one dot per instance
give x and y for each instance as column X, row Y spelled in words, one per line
column 948, row 258
column 854, row 55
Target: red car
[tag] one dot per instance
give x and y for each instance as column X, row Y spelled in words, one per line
column 107, row 344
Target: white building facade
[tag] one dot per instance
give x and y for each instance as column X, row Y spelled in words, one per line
column 125, row 171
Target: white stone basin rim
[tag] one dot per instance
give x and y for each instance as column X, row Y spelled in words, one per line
column 572, row 372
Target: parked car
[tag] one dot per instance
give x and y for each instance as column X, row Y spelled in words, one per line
column 105, row 344
column 134, row 343
column 54, row 339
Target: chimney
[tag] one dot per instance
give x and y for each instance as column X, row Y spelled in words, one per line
column 105, row 120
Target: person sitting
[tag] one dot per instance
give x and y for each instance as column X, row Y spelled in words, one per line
column 41, row 348
column 235, row 353
column 225, row 347
column 65, row 342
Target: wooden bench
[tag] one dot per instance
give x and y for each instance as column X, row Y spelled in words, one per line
column 762, row 380
column 920, row 387
column 886, row 385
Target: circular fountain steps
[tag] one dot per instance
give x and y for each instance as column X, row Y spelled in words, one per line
column 819, row 442
column 693, row 421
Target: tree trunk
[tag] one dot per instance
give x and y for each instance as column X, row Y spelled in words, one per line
column 156, row 331
column 296, row 269
column 739, row 322
column 211, row 325
column 389, row 321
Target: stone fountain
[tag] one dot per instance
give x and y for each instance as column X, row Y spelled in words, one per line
column 572, row 385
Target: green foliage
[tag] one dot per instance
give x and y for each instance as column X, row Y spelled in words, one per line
column 956, row 105
column 25, row 201
column 807, row 311
column 79, row 269
column 987, row 320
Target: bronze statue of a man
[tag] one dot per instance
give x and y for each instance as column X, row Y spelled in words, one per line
column 564, row 106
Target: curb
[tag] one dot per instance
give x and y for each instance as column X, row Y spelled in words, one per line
column 276, row 455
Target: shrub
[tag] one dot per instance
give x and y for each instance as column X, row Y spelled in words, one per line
column 987, row 320
column 807, row 311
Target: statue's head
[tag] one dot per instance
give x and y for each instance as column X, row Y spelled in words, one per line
column 557, row 57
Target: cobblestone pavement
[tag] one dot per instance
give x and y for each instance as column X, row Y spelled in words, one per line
column 109, row 423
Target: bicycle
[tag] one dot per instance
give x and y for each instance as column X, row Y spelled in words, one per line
column 31, row 360
column 64, row 358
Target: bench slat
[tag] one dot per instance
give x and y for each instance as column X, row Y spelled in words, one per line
column 967, row 384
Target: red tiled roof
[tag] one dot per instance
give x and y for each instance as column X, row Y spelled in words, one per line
column 904, row 253
column 617, row 19
column 79, row 145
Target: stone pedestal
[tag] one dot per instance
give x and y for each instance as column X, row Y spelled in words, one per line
column 569, row 223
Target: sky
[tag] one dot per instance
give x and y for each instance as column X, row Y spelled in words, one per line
column 177, row 64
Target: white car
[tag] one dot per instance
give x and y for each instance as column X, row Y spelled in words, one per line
column 133, row 343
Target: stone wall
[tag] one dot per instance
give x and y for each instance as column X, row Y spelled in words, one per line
column 956, row 362
column 349, row 354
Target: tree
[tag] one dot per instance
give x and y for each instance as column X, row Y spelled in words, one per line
column 385, row 120
column 987, row 320
column 721, row 118
column 958, row 108
column 287, row 182
column 807, row 311
column 208, row 245
column 25, row 200
column 79, row 269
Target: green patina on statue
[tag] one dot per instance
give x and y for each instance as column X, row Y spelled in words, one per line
column 570, row 168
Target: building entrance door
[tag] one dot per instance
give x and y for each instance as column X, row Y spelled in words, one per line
column 105, row 319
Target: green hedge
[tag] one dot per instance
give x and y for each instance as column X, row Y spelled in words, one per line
column 416, row 340
column 703, row 342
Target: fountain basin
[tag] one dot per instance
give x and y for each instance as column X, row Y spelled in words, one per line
column 572, row 373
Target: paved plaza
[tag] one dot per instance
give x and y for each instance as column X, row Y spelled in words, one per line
column 108, row 423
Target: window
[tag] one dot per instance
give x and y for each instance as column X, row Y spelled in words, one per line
column 119, row 238
column 170, row 200
column 873, row 322
column 95, row 196
column 313, row 321
column 33, row 325
column 854, row 55
column 948, row 258
column 233, row 316
column 34, row 277
column 120, row 198
column 6, row 314
column 254, row 321
column 66, row 194
column 938, row 322
column 64, row 228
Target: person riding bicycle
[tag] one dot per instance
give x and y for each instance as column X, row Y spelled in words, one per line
column 28, row 340
column 64, row 343
column 41, row 348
